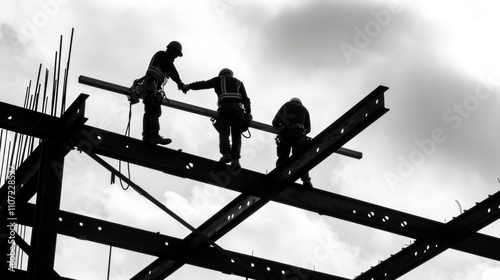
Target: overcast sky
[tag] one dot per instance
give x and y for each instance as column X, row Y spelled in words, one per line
column 437, row 145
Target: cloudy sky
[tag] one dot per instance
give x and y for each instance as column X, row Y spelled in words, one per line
column 437, row 145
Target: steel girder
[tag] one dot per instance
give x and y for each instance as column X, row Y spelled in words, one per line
column 367, row 111
column 156, row 244
column 194, row 109
column 469, row 222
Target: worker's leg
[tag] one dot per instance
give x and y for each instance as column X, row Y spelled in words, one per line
column 306, row 179
column 236, row 139
column 283, row 152
column 224, row 144
column 151, row 123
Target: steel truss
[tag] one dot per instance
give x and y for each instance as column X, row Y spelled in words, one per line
column 69, row 132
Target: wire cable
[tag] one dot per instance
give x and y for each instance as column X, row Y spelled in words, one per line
column 127, row 133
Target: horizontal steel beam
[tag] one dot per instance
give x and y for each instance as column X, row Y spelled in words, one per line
column 156, row 244
column 39, row 125
column 196, row 110
column 469, row 222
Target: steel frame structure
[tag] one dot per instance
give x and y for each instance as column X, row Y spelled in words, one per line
column 61, row 135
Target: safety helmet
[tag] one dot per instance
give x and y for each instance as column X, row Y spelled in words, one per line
column 296, row 100
column 225, row 72
column 176, row 45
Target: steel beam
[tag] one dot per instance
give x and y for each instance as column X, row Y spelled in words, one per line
column 383, row 218
column 246, row 181
column 39, row 125
column 195, row 109
column 469, row 222
column 156, row 244
column 367, row 111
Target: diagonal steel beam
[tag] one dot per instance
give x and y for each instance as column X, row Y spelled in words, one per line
column 156, row 244
column 367, row 111
column 195, row 109
column 479, row 216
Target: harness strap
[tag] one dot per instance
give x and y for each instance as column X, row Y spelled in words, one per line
column 229, row 96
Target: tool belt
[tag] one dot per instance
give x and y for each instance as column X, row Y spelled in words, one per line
column 288, row 136
column 296, row 125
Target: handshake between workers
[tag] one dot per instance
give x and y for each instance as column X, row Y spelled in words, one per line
column 184, row 88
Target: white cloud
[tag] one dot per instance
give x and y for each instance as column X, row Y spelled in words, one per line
column 430, row 62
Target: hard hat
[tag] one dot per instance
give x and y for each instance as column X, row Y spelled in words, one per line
column 176, row 45
column 296, row 100
column 226, row 71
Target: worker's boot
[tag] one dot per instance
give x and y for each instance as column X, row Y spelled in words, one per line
column 225, row 158
column 160, row 140
column 235, row 164
column 307, row 184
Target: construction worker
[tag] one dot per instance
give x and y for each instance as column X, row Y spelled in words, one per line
column 150, row 88
column 293, row 124
column 233, row 110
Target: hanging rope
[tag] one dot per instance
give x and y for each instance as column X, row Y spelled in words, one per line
column 249, row 134
column 127, row 133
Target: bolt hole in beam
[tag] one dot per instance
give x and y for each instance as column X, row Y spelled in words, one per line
column 60, row 219
column 189, row 165
column 9, row 118
column 81, row 224
column 99, row 228
column 166, row 243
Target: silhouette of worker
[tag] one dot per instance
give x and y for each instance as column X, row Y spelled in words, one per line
column 233, row 110
column 150, row 88
column 293, row 124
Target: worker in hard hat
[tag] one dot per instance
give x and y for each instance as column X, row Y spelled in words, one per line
column 293, row 124
column 150, row 88
column 233, row 109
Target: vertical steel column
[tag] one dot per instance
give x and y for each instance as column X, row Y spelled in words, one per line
column 44, row 235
